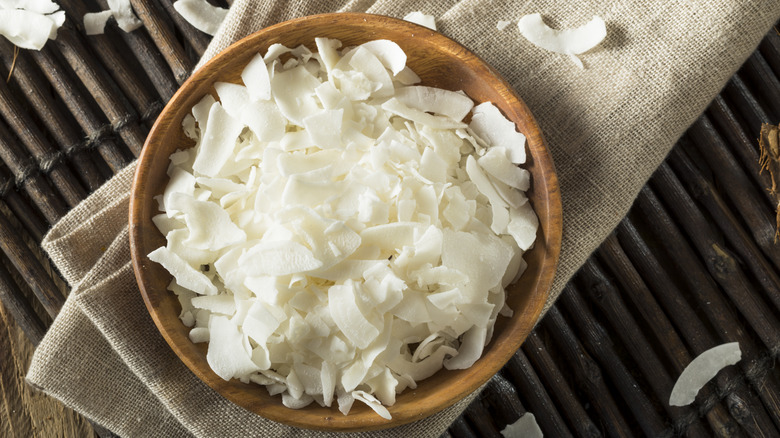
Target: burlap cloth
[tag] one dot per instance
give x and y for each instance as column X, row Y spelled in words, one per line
column 608, row 127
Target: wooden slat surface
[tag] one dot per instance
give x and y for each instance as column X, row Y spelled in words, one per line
column 694, row 264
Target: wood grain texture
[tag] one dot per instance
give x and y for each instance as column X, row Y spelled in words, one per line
column 440, row 62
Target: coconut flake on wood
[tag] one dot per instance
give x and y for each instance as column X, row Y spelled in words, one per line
column 95, row 22
column 28, row 24
column 701, row 370
column 123, row 13
column 525, row 427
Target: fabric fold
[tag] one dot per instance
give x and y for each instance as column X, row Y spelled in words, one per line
column 608, row 128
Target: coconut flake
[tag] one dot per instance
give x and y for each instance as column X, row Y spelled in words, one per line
column 280, row 258
column 568, row 41
column 523, row 224
column 37, row 6
column 256, row 78
column 226, row 354
column 218, row 141
column 185, row 275
column 95, row 22
column 496, row 162
column 389, row 53
column 372, row 403
column 201, row 14
column 525, row 427
column 422, row 19
column 30, row 29
column 435, row 100
column 489, row 124
column 701, row 370
column 123, row 13
column 349, row 317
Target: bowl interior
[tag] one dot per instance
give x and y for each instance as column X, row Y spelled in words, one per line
column 440, row 62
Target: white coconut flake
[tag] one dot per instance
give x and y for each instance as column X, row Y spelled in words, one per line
column 422, row 19
column 218, row 141
column 489, row 124
column 373, row 403
column 201, row 14
column 185, row 275
column 567, row 41
column 701, row 370
column 226, row 354
column 123, row 13
column 525, row 427
column 339, row 233
column 29, row 24
column 37, row 6
column 256, row 78
column 389, row 52
column 435, row 100
column 95, row 22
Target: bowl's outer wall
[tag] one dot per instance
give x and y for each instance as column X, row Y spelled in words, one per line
column 440, row 62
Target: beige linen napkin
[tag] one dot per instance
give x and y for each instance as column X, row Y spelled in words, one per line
column 608, row 127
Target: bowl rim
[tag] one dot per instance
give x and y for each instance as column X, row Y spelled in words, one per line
column 552, row 235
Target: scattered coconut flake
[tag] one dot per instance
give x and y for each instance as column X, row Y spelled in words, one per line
column 525, row 427
column 95, row 22
column 37, row 6
column 28, row 24
column 123, row 13
column 422, row 19
column 502, row 24
column 339, row 233
column 201, row 14
column 121, row 10
column 570, row 42
column 701, row 370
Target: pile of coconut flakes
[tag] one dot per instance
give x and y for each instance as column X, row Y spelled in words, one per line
column 339, row 233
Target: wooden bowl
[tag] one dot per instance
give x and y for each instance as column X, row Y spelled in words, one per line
column 440, row 62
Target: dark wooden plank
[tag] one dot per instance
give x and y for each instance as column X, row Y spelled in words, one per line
column 588, row 375
column 719, row 260
column 117, row 109
column 163, row 35
column 737, row 237
column 521, row 373
column 554, row 382
column 710, row 302
column 741, row 145
column 667, row 338
column 733, row 182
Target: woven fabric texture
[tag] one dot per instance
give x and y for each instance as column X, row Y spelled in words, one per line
column 608, row 127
